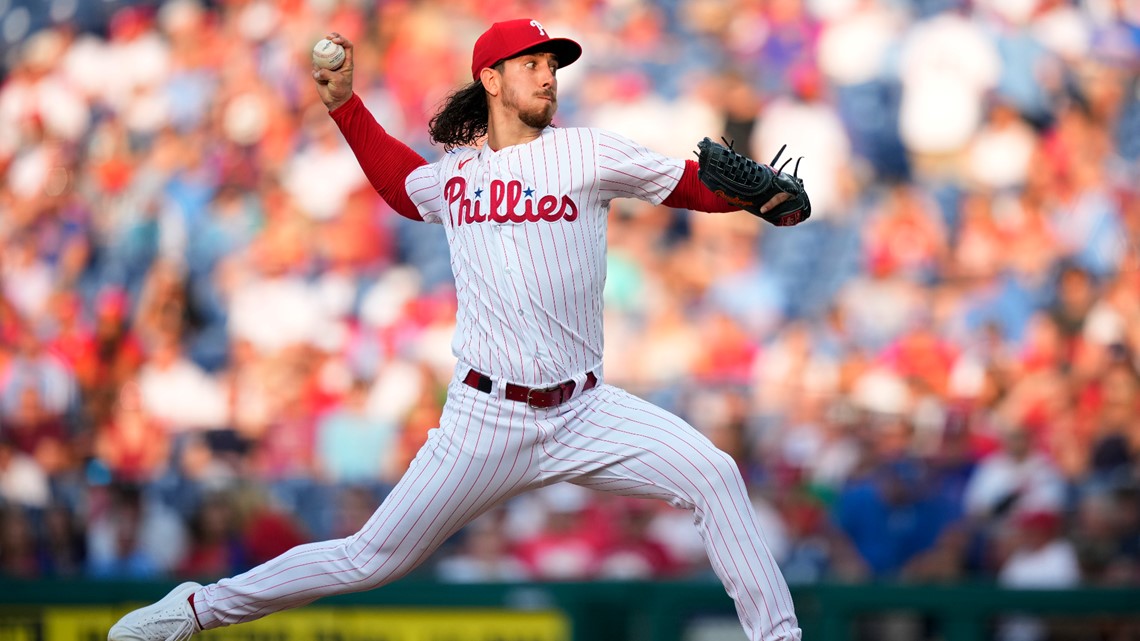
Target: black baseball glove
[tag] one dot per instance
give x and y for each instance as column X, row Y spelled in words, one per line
column 745, row 182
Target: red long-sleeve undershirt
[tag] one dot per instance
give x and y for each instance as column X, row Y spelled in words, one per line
column 691, row 193
column 387, row 162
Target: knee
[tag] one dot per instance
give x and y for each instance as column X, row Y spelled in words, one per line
column 721, row 472
column 362, row 555
column 375, row 561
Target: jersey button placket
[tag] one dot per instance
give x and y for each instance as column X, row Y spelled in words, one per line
column 498, row 227
column 504, row 255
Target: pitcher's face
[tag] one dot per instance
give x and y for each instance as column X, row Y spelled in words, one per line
column 530, row 88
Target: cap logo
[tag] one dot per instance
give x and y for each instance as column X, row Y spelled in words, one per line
column 510, row 38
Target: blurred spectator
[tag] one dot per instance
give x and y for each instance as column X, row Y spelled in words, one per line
column 947, row 561
column 353, row 506
column 32, row 365
column 878, row 306
column 264, row 528
column 741, row 109
column 810, row 126
column 742, row 289
column 26, row 279
column 34, row 432
column 1075, row 295
column 1018, row 478
column 906, row 236
column 818, row 550
column 408, row 395
column 18, row 554
column 1116, row 439
column 1082, row 210
column 62, row 547
column 483, row 555
column 1033, row 243
column 113, row 357
column 1038, row 558
column 1103, row 538
column 353, row 447
column 285, row 458
column 249, row 385
column 177, row 392
column 132, row 537
column 562, row 550
column 23, row 483
column 163, row 307
column 133, row 445
column 948, row 66
column 323, row 173
column 1000, row 154
column 232, row 223
column 871, row 28
column 923, row 359
column 891, row 514
column 271, row 306
column 631, row 554
column 215, row 547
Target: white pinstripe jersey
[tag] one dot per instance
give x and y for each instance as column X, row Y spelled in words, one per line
column 527, row 230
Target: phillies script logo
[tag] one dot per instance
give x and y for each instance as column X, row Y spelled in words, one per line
column 509, row 204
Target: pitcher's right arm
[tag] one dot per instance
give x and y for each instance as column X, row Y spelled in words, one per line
column 386, row 162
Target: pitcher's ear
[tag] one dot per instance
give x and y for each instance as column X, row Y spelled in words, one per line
column 492, row 80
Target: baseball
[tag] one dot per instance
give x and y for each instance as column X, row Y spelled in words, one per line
column 328, row 54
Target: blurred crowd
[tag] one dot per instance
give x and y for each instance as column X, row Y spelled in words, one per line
column 217, row 342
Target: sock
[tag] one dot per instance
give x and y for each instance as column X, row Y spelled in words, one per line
column 190, row 599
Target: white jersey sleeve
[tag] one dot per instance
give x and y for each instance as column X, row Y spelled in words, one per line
column 627, row 169
column 423, row 187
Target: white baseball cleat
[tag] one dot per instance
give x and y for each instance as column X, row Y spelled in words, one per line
column 169, row 619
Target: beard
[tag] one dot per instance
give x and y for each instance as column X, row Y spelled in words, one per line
column 538, row 117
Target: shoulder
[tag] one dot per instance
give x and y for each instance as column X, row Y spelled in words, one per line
column 617, row 143
column 448, row 164
column 612, row 136
column 430, row 171
column 570, row 135
column 591, row 138
column 452, row 161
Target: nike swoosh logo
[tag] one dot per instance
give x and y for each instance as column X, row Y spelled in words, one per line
column 464, row 162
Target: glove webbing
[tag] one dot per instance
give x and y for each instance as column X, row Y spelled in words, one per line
column 744, row 175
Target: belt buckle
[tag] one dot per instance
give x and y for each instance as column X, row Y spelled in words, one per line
column 546, row 390
column 530, row 401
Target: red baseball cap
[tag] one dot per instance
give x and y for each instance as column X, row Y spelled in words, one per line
column 505, row 40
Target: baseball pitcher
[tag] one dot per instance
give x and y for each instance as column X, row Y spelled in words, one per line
column 524, row 206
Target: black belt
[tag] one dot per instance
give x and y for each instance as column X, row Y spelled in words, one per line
column 538, row 398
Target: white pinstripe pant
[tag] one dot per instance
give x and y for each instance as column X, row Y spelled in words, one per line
column 488, row 449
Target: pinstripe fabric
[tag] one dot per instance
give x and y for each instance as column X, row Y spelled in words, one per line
column 530, row 287
column 489, row 449
column 527, row 231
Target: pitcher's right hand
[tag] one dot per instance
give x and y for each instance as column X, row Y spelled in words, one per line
column 335, row 85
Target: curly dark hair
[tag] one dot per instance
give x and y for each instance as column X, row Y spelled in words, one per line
column 462, row 120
